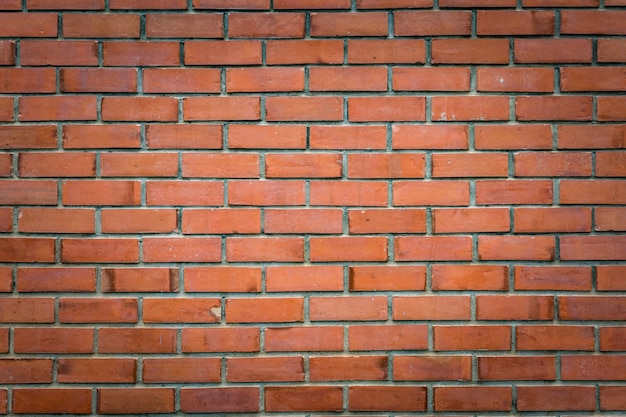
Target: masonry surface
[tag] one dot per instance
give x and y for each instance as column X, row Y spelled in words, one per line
column 313, row 207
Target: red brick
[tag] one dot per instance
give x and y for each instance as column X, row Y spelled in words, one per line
column 139, row 280
column 471, row 220
column 432, row 23
column 150, row 4
column 386, row 165
column 514, row 307
column 319, row 221
column 6, row 219
column 58, row 52
column 612, row 398
column 589, row 368
column 31, row 25
column 472, row 337
column 56, row 220
column 593, row 79
column 433, row 248
column 222, row 279
column 554, row 398
column 28, row 192
column 348, row 368
column 514, row 22
column 611, row 50
column 264, row 79
column 182, row 249
column 554, row 219
column 260, row 310
column 44, row 108
column 604, row 247
column 135, row 400
column 592, row 192
column 6, row 109
column 561, row 3
column 24, row 137
column 220, row 165
column 24, row 249
column 610, row 278
column 538, row 248
column 280, row 52
column 146, row 109
column 184, row 136
column 432, row 368
column 596, row 22
column 383, row 4
column 314, row 165
column 235, row 339
column 101, row 136
column 138, row 220
column 232, row 4
column 25, row 371
column 96, row 370
column 304, row 108
column 187, row 193
column 304, row 339
column 266, row 193
column 219, row 400
column 92, row 25
column 348, row 193
column 222, row 221
column 477, row 3
column 222, row 52
column 304, row 278
column 53, row 340
column 304, row 398
column 98, row 310
column 266, row 136
column 470, row 51
column 136, row 340
column 67, row 164
column 406, row 136
column 61, row 279
column 349, row 24
column 176, row 80
column 387, row 398
column 181, row 370
column 473, row 398
column 470, row 165
column 106, row 80
column 387, row 221
column 348, row 308
column 51, row 400
column 611, row 108
column 101, row 192
column 388, row 337
column 612, row 339
column 386, row 51
column 517, row 368
column 386, row 109
column 65, row 5
column 431, row 307
column 27, row 80
column 555, row 337
column 181, row 310
column 592, row 136
column 535, row 164
column 270, row 369
column 6, row 164
column 221, row 108
column 470, row 277
column 4, row 342
column 548, row 51
column 333, row 249
column 312, row 4
column 555, row 278
column 592, row 308
column 515, row 79
column 265, row 25
column 611, row 164
column 553, row 108
column 363, row 78
column 11, row 5
column 265, row 249
column 468, row 108
column 431, row 79
column 514, row 192
column 184, row 25
column 431, row 193
column 105, row 250
column 348, row 137
column 610, row 219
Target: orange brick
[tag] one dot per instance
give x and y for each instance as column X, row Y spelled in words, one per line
column 120, row 164
column 373, row 165
column 98, row 310
column 140, row 109
column 556, row 278
column 469, row 108
column 138, row 220
column 348, row 368
column 92, row 25
column 348, row 137
column 222, row 279
column 429, row 307
column 281, row 52
column 218, row 339
column 274, row 369
column 139, row 280
column 349, row 24
column 181, row 310
column 383, row 398
column 470, row 51
column 79, row 136
column 468, row 220
column 141, row 53
column 470, row 277
column 58, row 52
column 432, row 368
column 183, row 25
column 304, row 398
column 386, row 51
column 174, row 80
column 304, row 278
column 514, row 307
column 406, row 136
column 199, row 370
column 386, row 109
column 333, row 249
column 56, row 220
column 184, row 136
column 304, row 108
column 604, row 247
column 526, row 136
column 392, row 278
column 472, row 337
column 433, row 248
column 220, row 165
column 363, row 78
column 219, row 400
column 98, row 80
column 310, row 220
column 265, row 25
column 548, row 51
column 312, row 165
column 431, row 193
column 537, row 80
column 506, row 368
column 592, row 192
column 187, row 193
column 514, row 192
column 52, row 400
column 553, row 108
column 348, row 308
column 264, row 79
column 221, row 108
column 135, row 400
column 222, row 52
column 263, row 310
column 473, row 398
column 53, row 340
column 101, row 192
column 387, row 337
column 537, row 248
column 304, row 339
column 221, row 221
column 31, row 192
column 261, row 249
column 609, row 219
column 470, row 165
column 432, row 23
column 387, row 221
column 43, row 108
column 431, row 79
column 266, row 193
column 509, row 22
column 348, row 193
column 182, row 249
column 553, row 219
column 100, row 250
column 556, row 398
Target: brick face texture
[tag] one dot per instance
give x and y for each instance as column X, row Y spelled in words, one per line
column 381, row 207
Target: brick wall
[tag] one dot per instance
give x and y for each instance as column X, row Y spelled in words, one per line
column 394, row 207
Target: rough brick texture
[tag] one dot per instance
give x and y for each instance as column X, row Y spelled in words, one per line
column 313, row 207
